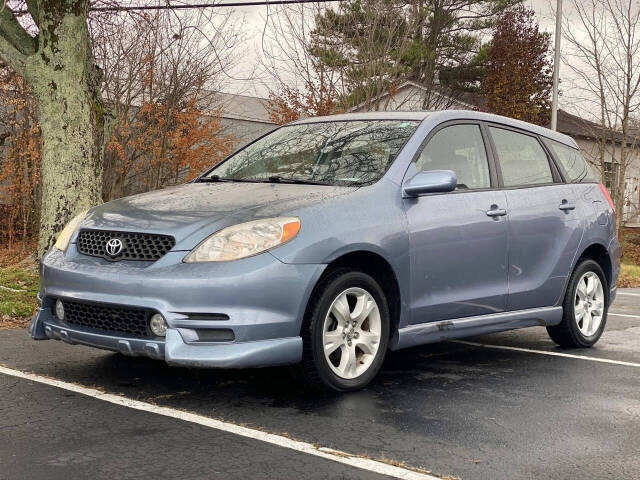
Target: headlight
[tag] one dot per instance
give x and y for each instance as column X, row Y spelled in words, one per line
column 245, row 239
column 65, row 235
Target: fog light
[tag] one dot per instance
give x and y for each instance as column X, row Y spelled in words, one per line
column 59, row 309
column 158, row 325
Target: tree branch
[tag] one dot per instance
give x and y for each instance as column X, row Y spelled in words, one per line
column 13, row 33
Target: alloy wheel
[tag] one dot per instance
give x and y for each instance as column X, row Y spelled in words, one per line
column 589, row 304
column 351, row 333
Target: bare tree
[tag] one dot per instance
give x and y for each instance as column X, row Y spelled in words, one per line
column 20, row 146
column 295, row 79
column 604, row 54
column 158, row 67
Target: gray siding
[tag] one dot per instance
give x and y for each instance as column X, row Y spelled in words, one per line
column 245, row 131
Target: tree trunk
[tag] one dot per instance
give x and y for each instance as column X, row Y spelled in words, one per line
column 72, row 141
column 66, row 85
column 619, row 198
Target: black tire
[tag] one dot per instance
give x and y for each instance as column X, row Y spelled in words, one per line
column 314, row 368
column 567, row 333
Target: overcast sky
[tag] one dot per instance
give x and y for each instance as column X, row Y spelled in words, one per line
column 255, row 22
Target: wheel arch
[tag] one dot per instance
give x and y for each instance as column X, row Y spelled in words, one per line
column 599, row 254
column 379, row 268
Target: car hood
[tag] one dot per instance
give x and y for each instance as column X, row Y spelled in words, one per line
column 190, row 212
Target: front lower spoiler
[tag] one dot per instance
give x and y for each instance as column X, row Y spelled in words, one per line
column 173, row 349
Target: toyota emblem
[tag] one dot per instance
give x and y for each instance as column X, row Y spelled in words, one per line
column 114, row 247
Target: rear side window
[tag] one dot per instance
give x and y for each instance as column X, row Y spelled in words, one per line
column 522, row 159
column 575, row 167
column 459, row 148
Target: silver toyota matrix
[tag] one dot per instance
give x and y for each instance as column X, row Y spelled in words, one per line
column 331, row 240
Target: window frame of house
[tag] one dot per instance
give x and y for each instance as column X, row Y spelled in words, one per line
column 610, row 176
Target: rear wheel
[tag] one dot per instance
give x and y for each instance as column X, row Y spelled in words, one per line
column 346, row 331
column 585, row 307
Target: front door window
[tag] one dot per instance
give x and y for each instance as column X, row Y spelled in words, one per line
column 459, row 148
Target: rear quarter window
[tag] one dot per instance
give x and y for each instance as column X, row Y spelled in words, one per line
column 575, row 167
column 522, row 159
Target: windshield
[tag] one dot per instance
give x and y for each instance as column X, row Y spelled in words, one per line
column 331, row 153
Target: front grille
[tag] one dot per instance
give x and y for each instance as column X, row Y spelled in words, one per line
column 133, row 246
column 109, row 319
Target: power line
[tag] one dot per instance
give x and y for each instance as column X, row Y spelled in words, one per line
column 204, row 5
column 129, row 8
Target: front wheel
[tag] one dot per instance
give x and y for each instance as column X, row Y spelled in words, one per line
column 346, row 331
column 585, row 308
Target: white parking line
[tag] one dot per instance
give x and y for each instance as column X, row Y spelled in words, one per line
column 628, row 293
column 623, row 315
column 553, row 354
column 278, row 440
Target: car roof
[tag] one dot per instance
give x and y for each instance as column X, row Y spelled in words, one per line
column 439, row 116
column 446, row 115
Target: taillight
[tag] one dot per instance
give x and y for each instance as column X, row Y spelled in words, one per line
column 605, row 192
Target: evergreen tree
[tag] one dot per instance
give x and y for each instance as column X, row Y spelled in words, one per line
column 377, row 43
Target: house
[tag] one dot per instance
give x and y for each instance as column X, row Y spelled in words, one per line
column 586, row 134
column 410, row 96
column 245, row 117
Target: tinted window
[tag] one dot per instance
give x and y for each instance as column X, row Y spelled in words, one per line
column 337, row 153
column 575, row 167
column 522, row 159
column 459, row 148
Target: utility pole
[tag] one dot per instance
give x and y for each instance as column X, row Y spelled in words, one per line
column 556, row 67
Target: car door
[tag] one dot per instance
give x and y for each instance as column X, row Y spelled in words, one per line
column 544, row 227
column 458, row 240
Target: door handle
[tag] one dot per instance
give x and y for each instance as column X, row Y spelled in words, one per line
column 496, row 212
column 566, row 206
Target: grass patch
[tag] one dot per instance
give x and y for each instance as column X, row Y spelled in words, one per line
column 18, row 290
column 630, row 241
column 630, row 267
column 18, row 254
column 629, row 276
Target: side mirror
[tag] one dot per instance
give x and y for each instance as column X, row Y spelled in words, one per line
column 434, row 181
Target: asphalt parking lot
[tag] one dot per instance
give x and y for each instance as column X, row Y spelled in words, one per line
column 503, row 406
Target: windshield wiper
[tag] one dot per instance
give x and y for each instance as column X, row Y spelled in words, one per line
column 212, row 179
column 278, row 179
column 271, row 179
column 217, row 178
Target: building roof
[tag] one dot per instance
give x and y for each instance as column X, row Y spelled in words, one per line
column 576, row 126
column 463, row 100
column 229, row 105
column 579, row 127
column 243, row 107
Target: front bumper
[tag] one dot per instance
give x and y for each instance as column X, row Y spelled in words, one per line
column 173, row 349
column 262, row 299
